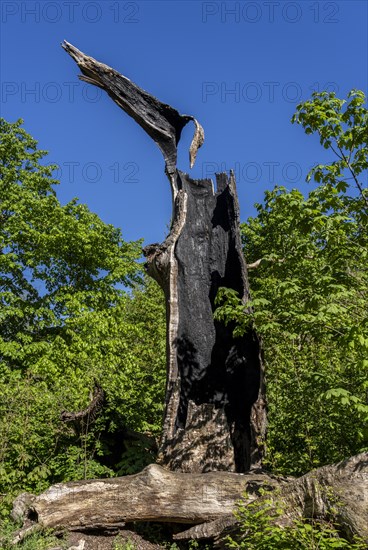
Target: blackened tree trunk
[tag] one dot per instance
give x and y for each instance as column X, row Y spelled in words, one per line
column 215, row 412
column 214, row 416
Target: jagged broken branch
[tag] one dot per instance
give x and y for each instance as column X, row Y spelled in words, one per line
column 161, row 122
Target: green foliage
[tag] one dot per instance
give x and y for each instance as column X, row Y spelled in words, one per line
column 263, row 527
column 342, row 127
column 123, row 545
column 309, row 294
column 74, row 309
column 41, row 539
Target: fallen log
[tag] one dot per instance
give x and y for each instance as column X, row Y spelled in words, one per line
column 155, row 494
column 205, row 501
column 338, row 492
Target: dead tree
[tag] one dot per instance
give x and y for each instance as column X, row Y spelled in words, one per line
column 215, row 409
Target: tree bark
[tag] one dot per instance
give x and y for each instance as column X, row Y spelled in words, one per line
column 202, row 502
column 215, row 414
column 155, row 494
column 336, row 493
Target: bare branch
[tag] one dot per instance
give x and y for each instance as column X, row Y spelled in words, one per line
column 88, row 414
column 258, row 262
column 161, row 122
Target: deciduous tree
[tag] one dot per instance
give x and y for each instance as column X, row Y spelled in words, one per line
column 309, row 292
column 67, row 322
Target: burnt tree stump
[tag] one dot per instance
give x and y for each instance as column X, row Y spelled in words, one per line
column 215, row 414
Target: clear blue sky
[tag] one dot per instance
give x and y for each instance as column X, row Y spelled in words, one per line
column 239, row 67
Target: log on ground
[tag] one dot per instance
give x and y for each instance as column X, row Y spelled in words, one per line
column 204, row 503
column 155, row 494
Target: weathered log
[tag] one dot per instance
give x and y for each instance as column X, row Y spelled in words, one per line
column 215, row 415
column 155, row 494
column 337, row 492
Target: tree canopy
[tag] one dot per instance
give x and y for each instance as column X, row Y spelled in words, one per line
column 72, row 315
column 309, row 292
